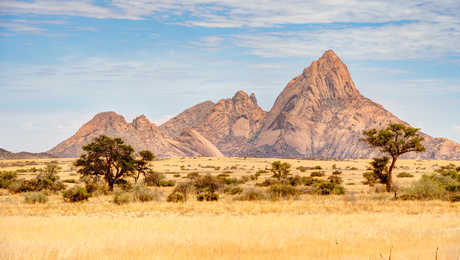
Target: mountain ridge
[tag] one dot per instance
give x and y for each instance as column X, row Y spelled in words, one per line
column 319, row 114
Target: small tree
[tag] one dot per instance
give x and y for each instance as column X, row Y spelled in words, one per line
column 108, row 157
column 142, row 165
column 280, row 170
column 395, row 140
column 379, row 171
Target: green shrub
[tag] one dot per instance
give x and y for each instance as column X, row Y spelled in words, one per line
column 233, row 190
column 75, row 194
column 327, row 188
column 251, row 195
column 176, row 175
column 337, row 172
column 282, row 191
column 427, row 188
column 184, row 189
column 317, row 167
column 317, row 174
column 295, row 180
column 260, row 172
column 404, row 175
column 193, row 175
column 121, row 197
column 70, row 181
column 167, row 183
column 124, row 185
column 454, row 197
column 302, row 168
column 267, row 182
column 143, row 193
column 35, row 197
column 335, row 179
column 153, row 178
column 6, row 178
column 207, row 183
column 207, row 196
column 308, row 181
column 175, row 197
column 94, row 185
column 22, row 185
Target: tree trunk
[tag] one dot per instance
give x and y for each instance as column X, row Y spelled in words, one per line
column 390, row 171
column 110, row 181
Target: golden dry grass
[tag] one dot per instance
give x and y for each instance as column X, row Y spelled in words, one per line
column 359, row 226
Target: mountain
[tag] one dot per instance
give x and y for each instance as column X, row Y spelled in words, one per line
column 321, row 114
column 141, row 134
column 6, row 155
column 229, row 124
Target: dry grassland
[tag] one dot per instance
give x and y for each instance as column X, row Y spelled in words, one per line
column 359, row 225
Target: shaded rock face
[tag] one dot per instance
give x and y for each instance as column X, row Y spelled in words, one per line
column 197, row 143
column 321, row 114
column 189, row 118
column 141, row 134
column 229, row 124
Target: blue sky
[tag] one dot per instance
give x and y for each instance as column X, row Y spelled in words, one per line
column 62, row 62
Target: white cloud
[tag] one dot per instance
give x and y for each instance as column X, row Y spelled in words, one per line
column 389, row 42
column 210, row 41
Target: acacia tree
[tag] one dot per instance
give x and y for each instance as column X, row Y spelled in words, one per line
column 142, row 165
column 395, row 140
column 111, row 158
column 280, row 170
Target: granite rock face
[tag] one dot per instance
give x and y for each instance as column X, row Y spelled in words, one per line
column 141, row 134
column 319, row 114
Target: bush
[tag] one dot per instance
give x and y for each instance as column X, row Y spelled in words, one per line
column 94, row 185
column 335, row 179
column 279, row 191
column 121, row 197
column 251, row 195
column 143, row 193
column 404, row 175
column 6, row 178
column 317, row 167
column 48, row 180
column 327, row 188
column 192, row 175
column 295, row 180
column 167, row 183
column 207, row 183
column 175, row 197
column 317, row 174
column 35, row 197
column 153, row 178
column 184, row 189
column 207, row 196
column 233, row 190
column 307, row 181
column 75, row 194
column 337, row 172
column 22, row 185
column 302, row 168
column 267, row 182
column 70, row 181
column 124, row 185
column 454, row 197
column 427, row 188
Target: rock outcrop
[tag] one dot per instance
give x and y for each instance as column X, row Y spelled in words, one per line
column 141, row 134
column 229, row 124
column 321, row 114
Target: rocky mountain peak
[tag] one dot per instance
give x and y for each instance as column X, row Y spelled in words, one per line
column 253, row 98
column 328, row 78
column 240, row 96
column 142, row 122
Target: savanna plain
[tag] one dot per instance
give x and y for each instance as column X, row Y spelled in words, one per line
column 363, row 223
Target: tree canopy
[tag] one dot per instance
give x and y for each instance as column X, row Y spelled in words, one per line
column 111, row 158
column 395, row 140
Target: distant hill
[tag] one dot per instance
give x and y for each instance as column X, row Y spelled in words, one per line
column 319, row 114
column 6, row 155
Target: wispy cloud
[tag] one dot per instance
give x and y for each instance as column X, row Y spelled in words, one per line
column 210, row 41
column 389, row 42
column 457, row 128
